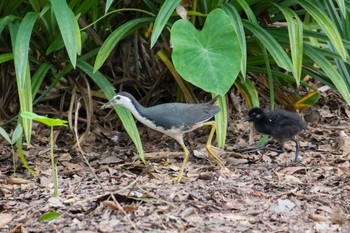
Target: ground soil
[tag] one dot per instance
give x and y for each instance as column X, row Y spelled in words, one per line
column 257, row 192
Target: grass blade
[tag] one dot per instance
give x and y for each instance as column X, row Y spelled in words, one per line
column 162, row 18
column 69, row 28
column 115, row 37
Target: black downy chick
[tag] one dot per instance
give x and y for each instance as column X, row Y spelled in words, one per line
column 280, row 124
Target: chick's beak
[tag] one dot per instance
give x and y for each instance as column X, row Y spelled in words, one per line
column 247, row 118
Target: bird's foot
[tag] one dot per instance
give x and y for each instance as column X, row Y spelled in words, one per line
column 217, row 159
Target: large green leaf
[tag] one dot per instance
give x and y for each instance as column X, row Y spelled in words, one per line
column 69, row 28
column 211, row 58
column 125, row 116
column 162, row 18
column 115, row 37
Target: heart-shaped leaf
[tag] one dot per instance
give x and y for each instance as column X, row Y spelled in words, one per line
column 210, row 59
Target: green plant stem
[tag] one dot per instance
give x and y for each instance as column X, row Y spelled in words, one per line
column 53, row 167
column 13, row 160
column 194, row 8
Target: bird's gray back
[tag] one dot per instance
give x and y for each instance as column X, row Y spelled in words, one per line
column 180, row 115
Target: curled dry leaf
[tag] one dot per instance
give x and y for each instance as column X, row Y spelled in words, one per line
column 318, row 218
column 182, row 12
column 110, row 204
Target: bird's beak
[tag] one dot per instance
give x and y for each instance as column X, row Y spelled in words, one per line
column 247, row 118
column 107, row 105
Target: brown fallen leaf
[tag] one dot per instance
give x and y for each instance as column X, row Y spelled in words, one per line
column 234, row 161
column 5, row 218
column 291, row 170
column 181, row 11
column 292, row 179
column 110, row 204
column 16, row 180
column 338, row 216
column 318, row 217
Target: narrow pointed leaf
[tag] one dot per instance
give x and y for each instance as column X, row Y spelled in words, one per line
column 69, row 28
column 162, row 18
column 274, row 48
column 328, row 68
column 295, row 32
column 21, row 47
column 5, row 135
column 236, row 19
column 17, row 134
column 326, row 25
column 115, row 37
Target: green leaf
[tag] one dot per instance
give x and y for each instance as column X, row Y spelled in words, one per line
column 221, row 122
column 17, row 134
column 5, row 21
column 49, row 216
column 295, row 32
column 21, row 156
column 326, row 25
column 5, row 135
column 125, row 116
column 236, row 19
column 328, row 68
column 21, row 47
column 45, row 120
column 341, row 4
column 39, row 76
column 274, row 48
column 248, row 11
column 108, row 5
column 211, row 58
column 6, row 57
column 115, row 37
column 56, row 45
column 162, row 18
column 307, row 100
column 69, row 28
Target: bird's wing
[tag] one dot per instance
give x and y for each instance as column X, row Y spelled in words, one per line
column 180, row 115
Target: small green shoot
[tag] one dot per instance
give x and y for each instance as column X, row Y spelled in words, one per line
column 49, row 122
column 49, row 216
column 17, row 134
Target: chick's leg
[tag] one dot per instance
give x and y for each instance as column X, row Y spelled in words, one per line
column 217, row 159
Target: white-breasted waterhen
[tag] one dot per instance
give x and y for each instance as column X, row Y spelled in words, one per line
column 173, row 119
column 280, row 124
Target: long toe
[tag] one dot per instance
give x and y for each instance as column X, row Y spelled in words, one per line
column 217, row 159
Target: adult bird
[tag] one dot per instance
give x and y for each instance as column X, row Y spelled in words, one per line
column 280, row 124
column 174, row 120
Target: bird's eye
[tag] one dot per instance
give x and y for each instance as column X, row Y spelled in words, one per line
column 118, row 97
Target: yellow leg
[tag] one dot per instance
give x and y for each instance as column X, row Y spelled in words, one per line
column 184, row 163
column 217, row 159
